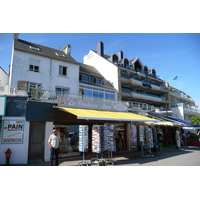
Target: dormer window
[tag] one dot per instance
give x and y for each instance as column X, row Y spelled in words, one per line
column 34, row 48
column 98, row 81
column 115, row 59
column 60, row 55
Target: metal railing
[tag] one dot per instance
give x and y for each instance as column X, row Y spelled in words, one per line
column 54, row 95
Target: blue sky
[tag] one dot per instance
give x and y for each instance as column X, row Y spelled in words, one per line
column 168, row 53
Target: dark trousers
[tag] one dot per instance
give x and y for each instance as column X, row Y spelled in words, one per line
column 54, row 152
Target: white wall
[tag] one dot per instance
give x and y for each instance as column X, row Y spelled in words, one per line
column 48, row 132
column 178, row 112
column 19, row 151
column 48, row 74
column 3, row 82
column 105, row 67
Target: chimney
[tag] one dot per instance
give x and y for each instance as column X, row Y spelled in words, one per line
column 67, row 49
column 120, row 55
column 15, row 36
column 100, row 49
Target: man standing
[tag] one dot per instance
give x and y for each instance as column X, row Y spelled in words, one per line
column 178, row 139
column 53, row 142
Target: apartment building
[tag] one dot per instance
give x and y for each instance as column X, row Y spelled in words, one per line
column 140, row 86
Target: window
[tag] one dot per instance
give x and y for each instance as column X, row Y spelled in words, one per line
column 34, row 48
column 61, row 55
column 35, row 89
column 34, row 65
column 62, row 70
column 97, row 92
column 62, row 91
column 98, row 81
column 85, row 78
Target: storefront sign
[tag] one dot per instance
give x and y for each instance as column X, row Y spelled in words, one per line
column 91, row 104
column 12, row 132
column 2, row 105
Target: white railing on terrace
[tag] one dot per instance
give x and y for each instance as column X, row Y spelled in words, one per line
column 190, row 109
column 181, row 95
column 53, row 95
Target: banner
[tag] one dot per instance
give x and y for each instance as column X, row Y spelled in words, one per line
column 12, row 132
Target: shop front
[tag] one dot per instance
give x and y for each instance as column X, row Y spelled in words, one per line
column 94, row 131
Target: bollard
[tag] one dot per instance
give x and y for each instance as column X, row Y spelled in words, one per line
column 8, row 154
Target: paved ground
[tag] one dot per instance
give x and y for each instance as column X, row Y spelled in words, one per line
column 169, row 156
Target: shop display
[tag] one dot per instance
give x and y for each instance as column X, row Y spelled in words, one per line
column 96, row 139
column 148, row 138
column 133, row 137
column 83, row 138
column 141, row 134
column 108, row 143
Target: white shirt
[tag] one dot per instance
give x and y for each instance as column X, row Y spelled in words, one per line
column 54, row 140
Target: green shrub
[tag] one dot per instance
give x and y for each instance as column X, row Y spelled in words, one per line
column 193, row 136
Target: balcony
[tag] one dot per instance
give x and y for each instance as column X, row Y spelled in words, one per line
column 52, row 96
column 191, row 110
column 181, row 96
column 146, row 96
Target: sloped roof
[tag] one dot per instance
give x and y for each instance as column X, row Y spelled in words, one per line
column 3, row 70
column 92, row 71
column 24, row 46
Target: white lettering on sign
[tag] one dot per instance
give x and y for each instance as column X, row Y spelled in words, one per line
column 91, row 104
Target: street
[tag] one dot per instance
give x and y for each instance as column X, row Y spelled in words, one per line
column 187, row 156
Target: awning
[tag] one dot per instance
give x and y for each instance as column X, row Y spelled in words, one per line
column 165, row 120
column 89, row 114
column 179, row 120
column 164, row 123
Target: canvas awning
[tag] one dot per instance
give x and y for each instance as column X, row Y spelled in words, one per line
column 164, row 123
column 89, row 114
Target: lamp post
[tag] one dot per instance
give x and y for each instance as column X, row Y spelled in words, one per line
column 167, row 88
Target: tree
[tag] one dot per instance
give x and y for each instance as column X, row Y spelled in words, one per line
column 195, row 120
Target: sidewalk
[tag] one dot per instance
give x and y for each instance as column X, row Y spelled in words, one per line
column 119, row 158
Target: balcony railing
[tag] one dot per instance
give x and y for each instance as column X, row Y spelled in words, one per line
column 181, row 95
column 53, row 95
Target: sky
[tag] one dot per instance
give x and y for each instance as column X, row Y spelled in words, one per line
column 170, row 54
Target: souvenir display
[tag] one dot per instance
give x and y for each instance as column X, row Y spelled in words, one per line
column 108, row 143
column 141, row 134
column 83, row 138
column 146, row 142
column 96, row 139
column 133, row 137
column 150, row 138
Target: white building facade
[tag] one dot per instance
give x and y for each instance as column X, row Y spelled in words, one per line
column 37, row 77
column 141, row 86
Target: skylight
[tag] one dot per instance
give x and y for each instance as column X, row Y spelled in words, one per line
column 61, row 55
column 34, row 48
